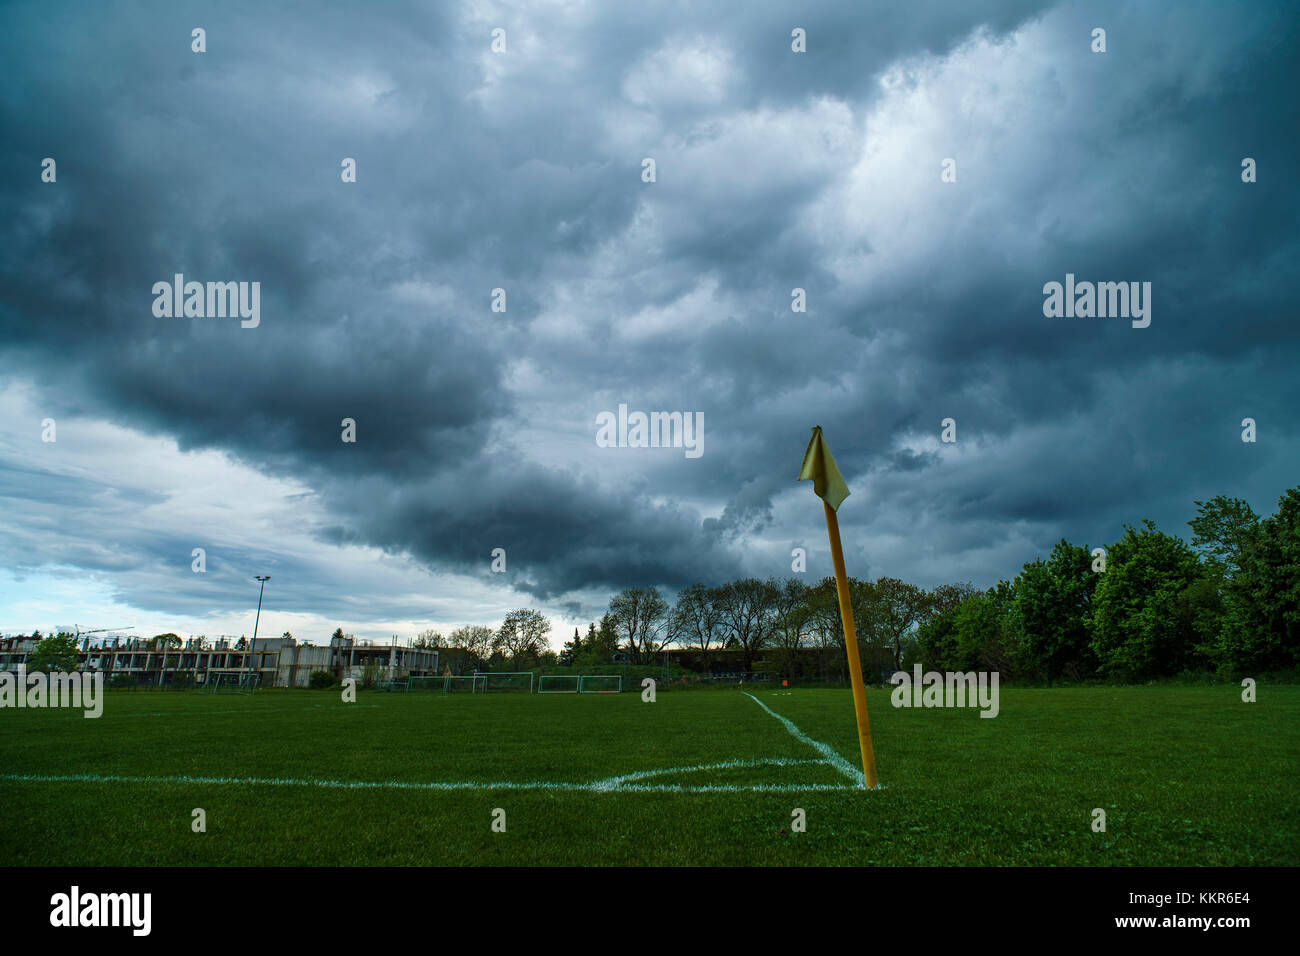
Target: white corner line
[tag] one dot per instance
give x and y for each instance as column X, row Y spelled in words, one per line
column 832, row 757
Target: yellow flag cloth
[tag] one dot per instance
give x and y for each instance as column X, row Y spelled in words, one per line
column 819, row 468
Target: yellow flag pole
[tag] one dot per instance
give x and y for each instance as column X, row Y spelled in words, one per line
column 851, row 645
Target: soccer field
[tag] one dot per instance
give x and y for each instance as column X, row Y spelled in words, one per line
column 1186, row 775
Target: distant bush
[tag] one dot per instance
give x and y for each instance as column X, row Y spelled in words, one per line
column 321, row 680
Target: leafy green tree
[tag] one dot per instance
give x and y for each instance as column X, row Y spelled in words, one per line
column 898, row 608
column 54, row 654
column 1140, row 628
column 935, row 641
column 985, row 637
column 1262, row 626
column 948, row 596
column 571, row 652
column 1052, row 612
column 975, row 633
column 522, row 636
column 600, row 645
column 1223, row 529
column 475, row 642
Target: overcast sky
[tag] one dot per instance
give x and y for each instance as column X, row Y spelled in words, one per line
column 523, row 170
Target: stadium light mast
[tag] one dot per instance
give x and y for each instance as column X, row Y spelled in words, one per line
column 263, row 578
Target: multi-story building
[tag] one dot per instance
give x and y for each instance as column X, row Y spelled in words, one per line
column 277, row 661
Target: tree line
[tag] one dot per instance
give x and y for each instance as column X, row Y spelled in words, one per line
column 1148, row 605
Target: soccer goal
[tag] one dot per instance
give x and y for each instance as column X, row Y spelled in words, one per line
column 452, row 684
column 242, row 683
column 517, row 681
column 558, row 684
column 600, row 684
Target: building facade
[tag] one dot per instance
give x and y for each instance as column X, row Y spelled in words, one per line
column 277, row 661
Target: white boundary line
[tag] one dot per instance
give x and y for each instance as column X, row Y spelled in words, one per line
column 609, row 785
column 831, row 757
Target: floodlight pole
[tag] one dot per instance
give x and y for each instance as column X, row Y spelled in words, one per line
column 263, row 579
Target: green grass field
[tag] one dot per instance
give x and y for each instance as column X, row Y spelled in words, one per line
column 1186, row 775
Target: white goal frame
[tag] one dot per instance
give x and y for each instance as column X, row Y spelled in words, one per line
column 582, row 688
column 484, row 675
column 576, row 678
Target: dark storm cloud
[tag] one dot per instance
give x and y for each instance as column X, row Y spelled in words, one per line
column 523, row 172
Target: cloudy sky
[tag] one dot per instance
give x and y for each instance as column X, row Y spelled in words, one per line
column 522, row 170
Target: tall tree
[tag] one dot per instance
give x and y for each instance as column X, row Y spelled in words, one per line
column 825, row 627
column 1262, row 629
column 522, row 635
column 429, row 638
column 901, row 606
column 642, row 619
column 571, row 652
column 1138, row 629
column 945, row 597
column 748, row 614
column 792, row 614
column 1223, row 529
column 600, row 645
column 475, row 640
column 1052, row 612
column 697, row 619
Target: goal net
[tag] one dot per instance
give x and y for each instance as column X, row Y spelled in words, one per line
column 232, row 683
column 517, row 681
column 600, row 684
column 452, row 684
column 426, row 683
column 558, row 684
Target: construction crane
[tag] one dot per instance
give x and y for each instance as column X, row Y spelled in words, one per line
column 100, row 630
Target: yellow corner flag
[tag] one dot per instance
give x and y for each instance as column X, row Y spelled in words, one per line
column 819, row 468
